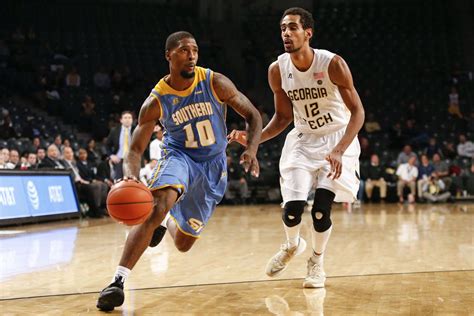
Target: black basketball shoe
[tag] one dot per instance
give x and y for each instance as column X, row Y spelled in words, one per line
column 158, row 235
column 112, row 296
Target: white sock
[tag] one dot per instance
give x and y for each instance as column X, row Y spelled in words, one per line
column 315, row 258
column 292, row 235
column 320, row 240
column 121, row 272
column 164, row 223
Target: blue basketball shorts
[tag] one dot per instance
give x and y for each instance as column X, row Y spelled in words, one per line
column 201, row 186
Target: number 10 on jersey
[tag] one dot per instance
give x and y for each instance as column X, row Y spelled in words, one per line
column 205, row 133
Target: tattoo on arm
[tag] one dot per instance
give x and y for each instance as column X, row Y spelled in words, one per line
column 228, row 93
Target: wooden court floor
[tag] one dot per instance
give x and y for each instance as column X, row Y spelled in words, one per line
column 381, row 260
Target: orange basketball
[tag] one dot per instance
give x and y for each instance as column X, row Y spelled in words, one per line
column 129, row 202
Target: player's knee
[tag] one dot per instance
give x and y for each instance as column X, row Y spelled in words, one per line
column 292, row 212
column 184, row 245
column 321, row 211
column 159, row 213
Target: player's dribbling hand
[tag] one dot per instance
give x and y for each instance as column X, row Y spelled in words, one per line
column 130, row 178
column 249, row 161
column 335, row 159
column 238, row 136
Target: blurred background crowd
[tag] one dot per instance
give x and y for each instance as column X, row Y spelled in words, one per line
column 73, row 76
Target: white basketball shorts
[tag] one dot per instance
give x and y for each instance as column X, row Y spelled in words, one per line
column 303, row 165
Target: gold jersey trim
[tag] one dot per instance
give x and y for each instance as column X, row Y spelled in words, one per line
column 182, row 230
column 162, row 88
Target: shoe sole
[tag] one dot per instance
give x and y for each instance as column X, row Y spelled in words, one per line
column 311, row 285
column 110, row 298
column 301, row 248
column 276, row 273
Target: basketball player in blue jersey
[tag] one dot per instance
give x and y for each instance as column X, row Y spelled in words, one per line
column 314, row 89
column 190, row 179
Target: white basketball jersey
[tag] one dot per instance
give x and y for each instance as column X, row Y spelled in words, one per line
column 318, row 107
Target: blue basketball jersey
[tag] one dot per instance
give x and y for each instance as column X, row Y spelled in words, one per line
column 193, row 119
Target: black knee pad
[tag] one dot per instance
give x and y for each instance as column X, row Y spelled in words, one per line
column 292, row 212
column 321, row 211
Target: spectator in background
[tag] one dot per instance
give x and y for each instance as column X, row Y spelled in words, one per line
column 441, row 170
column 104, row 171
column 118, row 143
column 371, row 125
column 425, row 171
column 449, row 151
column 66, row 143
column 407, row 174
column 58, row 142
column 435, row 191
column 453, row 105
column 432, row 148
column 87, row 192
column 102, row 79
column 14, row 159
column 365, row 149
column 28, row 161
column 40, row 155
column 73, row 79
column 405, row 155
column 35, row 144
column 31, row 162
column 52, row 161
column 88, row 173
column 236, row 183
column 93, row 155
column 465, row 148
column 5, row 153
column 155, row 145
column 146, row 173
column 375, row 178
column 86, row 170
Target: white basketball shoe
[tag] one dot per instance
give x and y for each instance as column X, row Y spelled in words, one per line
column 316, row 276
column 279, row 262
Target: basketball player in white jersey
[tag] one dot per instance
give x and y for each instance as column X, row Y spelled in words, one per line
column 314, row 89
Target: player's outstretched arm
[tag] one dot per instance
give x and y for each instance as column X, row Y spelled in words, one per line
column 228, row 93
column 149, row 114
column 283, row 111
column 341, row 76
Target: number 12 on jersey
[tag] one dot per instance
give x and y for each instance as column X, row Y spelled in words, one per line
column 205, row 133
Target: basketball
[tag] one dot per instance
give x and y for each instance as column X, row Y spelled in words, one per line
column 129, row 202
